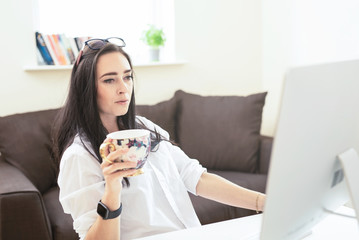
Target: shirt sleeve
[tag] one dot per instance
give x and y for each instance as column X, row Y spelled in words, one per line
column 81, row 187
column 190, row 170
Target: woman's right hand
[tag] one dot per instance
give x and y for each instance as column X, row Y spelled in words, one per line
column 114, row 171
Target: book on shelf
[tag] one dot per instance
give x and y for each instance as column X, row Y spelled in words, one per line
column 59, row 50
column 73, row 46
column 66, row 45
column 79, row 43
column 55, row 50
column 62, row 50
column 40, row 60
column 51, row 49
column 44, row 52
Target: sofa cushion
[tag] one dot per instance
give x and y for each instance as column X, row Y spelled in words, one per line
column 25, row 142
column 162, row 114
column 222, row 132
column 61, row 223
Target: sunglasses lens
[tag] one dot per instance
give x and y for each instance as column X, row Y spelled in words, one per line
column 96, row 44
column 117, row 41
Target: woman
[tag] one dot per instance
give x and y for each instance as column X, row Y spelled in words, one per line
column 102, row 201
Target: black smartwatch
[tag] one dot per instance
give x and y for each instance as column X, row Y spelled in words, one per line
column 105, row 213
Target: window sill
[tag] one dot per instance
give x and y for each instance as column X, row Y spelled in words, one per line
column 32, row 68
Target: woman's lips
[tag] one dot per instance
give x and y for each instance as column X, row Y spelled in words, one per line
column 122, row 102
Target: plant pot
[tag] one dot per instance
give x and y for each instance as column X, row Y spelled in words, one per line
column 154, row 54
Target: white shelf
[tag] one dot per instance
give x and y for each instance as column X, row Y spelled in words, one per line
column 166, row 63
column 32, row 68
column 47, row 67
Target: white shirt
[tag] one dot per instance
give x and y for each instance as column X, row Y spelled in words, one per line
column 156, row 201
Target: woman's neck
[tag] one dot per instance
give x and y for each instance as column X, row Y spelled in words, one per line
column 110, row 124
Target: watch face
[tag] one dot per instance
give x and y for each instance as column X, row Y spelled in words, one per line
column 102, row 210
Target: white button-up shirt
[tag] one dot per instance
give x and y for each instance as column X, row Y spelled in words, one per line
column 156, row 201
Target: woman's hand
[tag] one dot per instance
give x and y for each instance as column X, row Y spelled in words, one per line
column 114, row 171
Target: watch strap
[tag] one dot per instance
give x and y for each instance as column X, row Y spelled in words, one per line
column 107, row 214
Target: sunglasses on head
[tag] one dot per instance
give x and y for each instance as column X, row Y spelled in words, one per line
column 98, row 43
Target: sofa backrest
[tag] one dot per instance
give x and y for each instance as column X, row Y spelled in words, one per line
column 164, row 114
column 25, row 139
column 25, row 142
column 222, row 132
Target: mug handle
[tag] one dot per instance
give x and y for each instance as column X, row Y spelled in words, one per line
column 102, row 150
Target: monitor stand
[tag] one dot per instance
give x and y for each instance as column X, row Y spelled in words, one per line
column 350, row 163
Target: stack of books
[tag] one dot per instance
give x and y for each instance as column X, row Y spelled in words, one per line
column 57, row 49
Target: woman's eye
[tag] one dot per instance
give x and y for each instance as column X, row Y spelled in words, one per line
column 128, row 77
column 108, row 80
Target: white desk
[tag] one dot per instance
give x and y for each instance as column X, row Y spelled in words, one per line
column 336, row 227
column 332, row 227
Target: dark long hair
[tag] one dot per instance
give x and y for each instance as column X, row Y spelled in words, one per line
column 80, row 114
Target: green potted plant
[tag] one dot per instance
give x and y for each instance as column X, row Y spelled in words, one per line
column 155, row 38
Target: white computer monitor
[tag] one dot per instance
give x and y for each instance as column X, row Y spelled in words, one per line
column 318, row 120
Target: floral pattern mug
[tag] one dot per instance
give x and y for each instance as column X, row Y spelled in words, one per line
column 135, row 145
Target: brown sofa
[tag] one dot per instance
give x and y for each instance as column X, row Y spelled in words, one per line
column 222, row 132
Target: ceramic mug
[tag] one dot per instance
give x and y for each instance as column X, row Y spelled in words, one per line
column 134, row 143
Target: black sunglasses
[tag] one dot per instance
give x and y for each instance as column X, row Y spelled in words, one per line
column 98, row 43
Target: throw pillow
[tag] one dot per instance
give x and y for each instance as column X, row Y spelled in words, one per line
column 222, row 132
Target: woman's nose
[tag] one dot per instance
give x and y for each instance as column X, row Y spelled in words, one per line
column 122, row 87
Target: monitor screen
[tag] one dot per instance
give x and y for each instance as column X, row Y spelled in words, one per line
column 319, row 119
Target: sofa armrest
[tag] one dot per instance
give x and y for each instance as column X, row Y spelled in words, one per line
column 22, row 211
column 265, row 150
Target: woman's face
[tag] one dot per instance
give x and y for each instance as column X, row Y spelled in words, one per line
column 114, row 85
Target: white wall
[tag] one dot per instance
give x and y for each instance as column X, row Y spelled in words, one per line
column 275, row 58
column 19, row 90
column 219, row 39
column 303, row 32
column 232, row 47
column 325, row 31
